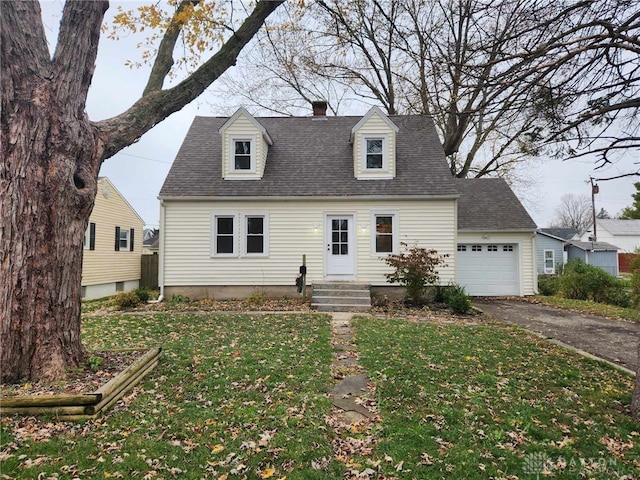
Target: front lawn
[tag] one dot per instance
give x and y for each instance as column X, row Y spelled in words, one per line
column 244, row 396
column 491, row 401
column 235, row 395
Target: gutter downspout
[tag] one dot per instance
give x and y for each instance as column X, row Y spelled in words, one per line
column 161, row 252
column 534, row 246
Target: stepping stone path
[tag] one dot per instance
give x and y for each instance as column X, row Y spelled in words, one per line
column 354, row 410
column 352, row 384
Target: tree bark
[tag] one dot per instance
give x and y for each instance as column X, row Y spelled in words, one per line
column 48, row 175
column 51, row 156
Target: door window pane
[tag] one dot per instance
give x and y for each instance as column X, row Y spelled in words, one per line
column 340, row 237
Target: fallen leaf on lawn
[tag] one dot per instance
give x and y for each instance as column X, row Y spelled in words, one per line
column 267, row 473
column 217, row 449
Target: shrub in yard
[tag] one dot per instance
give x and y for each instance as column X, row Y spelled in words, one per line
column 456, row 298
column 415, row 269
column 126, row 300
column 143, row 294
column 580, row 281
column 548, row 285
column 618, row 294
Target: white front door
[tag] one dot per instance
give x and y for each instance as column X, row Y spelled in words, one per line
column 339, row 246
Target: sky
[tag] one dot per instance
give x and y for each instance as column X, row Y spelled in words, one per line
column 138, row 171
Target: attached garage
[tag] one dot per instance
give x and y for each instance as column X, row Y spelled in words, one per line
column 496, row 240
column 488, row 269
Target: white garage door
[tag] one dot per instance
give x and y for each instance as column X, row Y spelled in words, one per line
column 488, row 269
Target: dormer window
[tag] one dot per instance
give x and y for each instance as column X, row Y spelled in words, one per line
column 242, row 156
column 245, row 147
column 374, row 146
column 374, row 155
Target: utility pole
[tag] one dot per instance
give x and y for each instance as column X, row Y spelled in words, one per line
column 594, row 190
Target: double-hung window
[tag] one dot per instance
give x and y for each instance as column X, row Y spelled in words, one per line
column 242, row 155
column 385, row 233
column 124, row 239
column 549, row 262
column 224, row 228
column 374, row 156
column 255, row 234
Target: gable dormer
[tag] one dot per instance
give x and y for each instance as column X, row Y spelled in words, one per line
column 374, row 146
column 245, row 145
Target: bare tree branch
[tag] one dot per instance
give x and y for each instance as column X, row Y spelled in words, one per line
column 121, row 131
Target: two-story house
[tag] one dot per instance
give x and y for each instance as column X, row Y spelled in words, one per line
column 247, row 197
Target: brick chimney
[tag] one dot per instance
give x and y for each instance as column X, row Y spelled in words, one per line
column 319, row 108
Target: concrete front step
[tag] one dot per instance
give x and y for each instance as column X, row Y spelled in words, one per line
column 327, row 292
column 328, row 307
column 341, row 297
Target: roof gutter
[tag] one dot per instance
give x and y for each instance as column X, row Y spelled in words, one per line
column 201, row 198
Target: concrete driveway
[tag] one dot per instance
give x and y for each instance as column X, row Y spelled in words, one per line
column 612, row 340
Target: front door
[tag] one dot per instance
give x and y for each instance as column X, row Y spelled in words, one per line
column 339, row 249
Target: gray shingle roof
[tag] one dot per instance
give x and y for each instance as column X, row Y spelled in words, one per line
column 310, row 157
column 490, row 204
column 593, row 246
column 560, row 232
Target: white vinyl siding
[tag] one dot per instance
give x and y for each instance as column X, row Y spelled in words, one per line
column 295, row 229
column 524, row 244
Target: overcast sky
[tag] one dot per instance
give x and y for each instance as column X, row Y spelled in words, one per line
column 139, row 170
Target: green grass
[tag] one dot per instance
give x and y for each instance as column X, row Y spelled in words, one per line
column 585, row 306
column 480, row 401
column 243, row 396
column 233, row 395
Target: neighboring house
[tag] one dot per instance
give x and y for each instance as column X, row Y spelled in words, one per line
column 550, row 251
column 599, row 254
column 151, row 244
column 112, row 250
column 496, row 240
column 624, row 234
column 246, row 198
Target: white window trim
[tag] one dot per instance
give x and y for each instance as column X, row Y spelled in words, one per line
column 265, row 233
column 87, row 238
column 552, row 271
column 395, row 239
column 232, row 153
column 214, row 234
column 127, row 231
column 385, row 153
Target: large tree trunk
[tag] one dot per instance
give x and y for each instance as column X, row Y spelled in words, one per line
column 51, row 156
column 48, row 174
